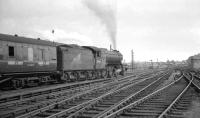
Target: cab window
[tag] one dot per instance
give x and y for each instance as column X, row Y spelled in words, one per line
column 98, row 54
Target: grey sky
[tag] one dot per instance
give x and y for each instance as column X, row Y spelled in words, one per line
column 163, row 29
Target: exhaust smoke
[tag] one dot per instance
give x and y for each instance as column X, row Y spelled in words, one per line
column 107, row 15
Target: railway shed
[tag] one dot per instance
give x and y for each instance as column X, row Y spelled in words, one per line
column 194, row 61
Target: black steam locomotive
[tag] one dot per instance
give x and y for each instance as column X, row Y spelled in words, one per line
column 29, row 62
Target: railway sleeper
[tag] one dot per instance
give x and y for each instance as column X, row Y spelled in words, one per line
column 107, row 103
column 120, row 95
column 90, row 112
column 25, row 109
column 96, row 108
column 178, row 112
column 150, row 110
column 136, row 115
column 112, row 101
column 174, row 116
column 179, row 108
column 82, row 100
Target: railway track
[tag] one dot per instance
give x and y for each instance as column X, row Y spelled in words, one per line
column 38, row 99
column 21, row 95
column 16, row 108
column 7, row 96
column 8, row 91
column 158, row 103
column 196, row 81
column 102, row 105
column 182, row 104
column 76, row 101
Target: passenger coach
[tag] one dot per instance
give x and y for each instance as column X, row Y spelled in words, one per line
column 20, row 57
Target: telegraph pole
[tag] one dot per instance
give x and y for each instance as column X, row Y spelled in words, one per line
column 151, row 64
column 132, row 60
column 158, row 63
column 52, row 31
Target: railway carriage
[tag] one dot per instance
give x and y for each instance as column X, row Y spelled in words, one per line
column 24, row 59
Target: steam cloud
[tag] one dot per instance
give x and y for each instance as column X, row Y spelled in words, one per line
column 107, row 16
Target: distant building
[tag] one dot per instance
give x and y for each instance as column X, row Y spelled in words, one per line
column 194, row 61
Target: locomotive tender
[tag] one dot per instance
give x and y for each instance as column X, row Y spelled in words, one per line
column 29, row 62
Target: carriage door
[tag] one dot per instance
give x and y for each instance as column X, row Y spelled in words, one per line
column 30, row 54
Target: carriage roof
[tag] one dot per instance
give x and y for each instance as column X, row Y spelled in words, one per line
column 19, row 39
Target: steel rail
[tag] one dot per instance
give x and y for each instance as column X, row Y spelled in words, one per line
column 196, row 82
column 34, row 112
column 157, row 92
column 53, row 93
column 88, row 102
column 93, row 100
column 21, row 94
column 50, row 98
column 33, row 103
column 66, row 100
column 177, row 98
column 96, row 100
column 29, row 104
column 126, row 101
column 42, row 101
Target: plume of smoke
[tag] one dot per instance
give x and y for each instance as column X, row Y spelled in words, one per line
column 107, row 15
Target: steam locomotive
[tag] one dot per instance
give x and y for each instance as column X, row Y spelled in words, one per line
column 31, row 62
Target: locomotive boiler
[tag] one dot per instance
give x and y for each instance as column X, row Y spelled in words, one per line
column 114, row 62
column 113, row 57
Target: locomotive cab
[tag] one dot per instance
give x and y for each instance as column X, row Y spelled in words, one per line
column 99, row 60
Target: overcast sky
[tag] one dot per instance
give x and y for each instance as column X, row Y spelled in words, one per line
column 154, row 29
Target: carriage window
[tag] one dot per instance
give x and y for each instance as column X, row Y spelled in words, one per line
column 11, row 51
column 41, row 54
